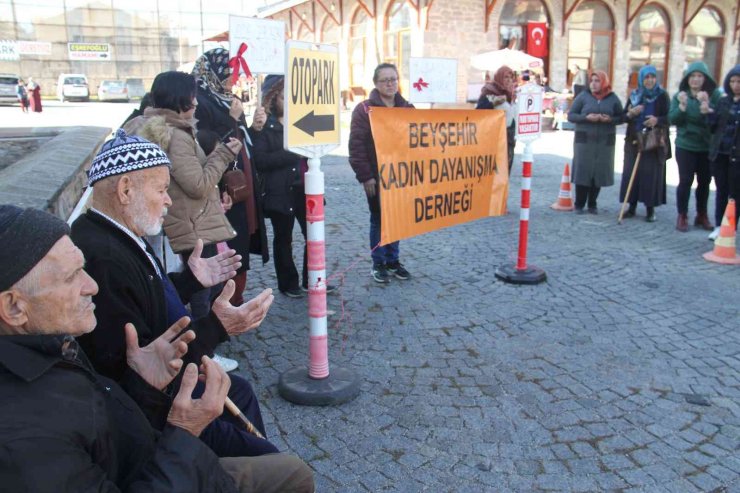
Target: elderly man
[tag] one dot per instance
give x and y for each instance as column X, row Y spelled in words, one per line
column 130, row 176
column 65, row 428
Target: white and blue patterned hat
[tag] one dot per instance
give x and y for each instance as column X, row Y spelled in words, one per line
column 123, row 154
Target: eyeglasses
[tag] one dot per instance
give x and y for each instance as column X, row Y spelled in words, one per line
column 387, row 81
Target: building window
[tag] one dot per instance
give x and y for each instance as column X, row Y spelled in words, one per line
column 591, row 38
column 515, row 15
column 360, row 33
column 704, row 41
column 398, row 40
column 649, row 42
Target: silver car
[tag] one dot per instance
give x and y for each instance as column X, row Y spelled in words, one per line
column 8, row 84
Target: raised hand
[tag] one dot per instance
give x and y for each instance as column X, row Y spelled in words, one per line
column 159, row 362
column 234, row 145
column 237, row 320
column 193, row 415
column 213, row 270
column 236, row 110
column 259, row 119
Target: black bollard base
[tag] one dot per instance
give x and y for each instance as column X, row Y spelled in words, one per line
column 530, row 275
column 340, row 386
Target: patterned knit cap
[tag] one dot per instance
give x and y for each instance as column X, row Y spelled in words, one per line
column 123, row 154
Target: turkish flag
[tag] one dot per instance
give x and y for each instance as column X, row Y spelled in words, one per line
column 537, row 39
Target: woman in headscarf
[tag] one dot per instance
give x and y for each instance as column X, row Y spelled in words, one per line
column 596, row 114
column 646, row 111
column 220, row 112
column 498, row 94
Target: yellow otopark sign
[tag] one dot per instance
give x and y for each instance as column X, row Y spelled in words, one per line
column 311, row 98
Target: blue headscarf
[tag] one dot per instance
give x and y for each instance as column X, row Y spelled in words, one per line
column 641, row 94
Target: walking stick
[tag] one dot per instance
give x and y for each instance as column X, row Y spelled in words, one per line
column 247, row 424
column 629, row 187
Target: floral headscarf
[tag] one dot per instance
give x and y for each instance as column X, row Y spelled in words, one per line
column 498, row 86
column 211, row 70
column 606, row 87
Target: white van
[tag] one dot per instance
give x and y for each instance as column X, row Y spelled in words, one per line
column 72, row 86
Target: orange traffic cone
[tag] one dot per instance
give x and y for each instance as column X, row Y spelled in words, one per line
column 724, row 246
column 565, row 200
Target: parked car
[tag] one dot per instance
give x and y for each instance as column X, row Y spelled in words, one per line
column 72, row 86
column 8, row 83
column 112, row 90
column 135, row 88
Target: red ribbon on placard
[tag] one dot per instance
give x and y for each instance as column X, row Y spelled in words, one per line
column 237, row 62
column 420, row 84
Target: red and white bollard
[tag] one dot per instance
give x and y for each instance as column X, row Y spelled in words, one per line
column 318, row 386
column 520, row 273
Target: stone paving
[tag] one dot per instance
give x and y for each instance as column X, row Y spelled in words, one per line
column 620, row 373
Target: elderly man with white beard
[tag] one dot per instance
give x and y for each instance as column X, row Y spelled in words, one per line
column 130, row 177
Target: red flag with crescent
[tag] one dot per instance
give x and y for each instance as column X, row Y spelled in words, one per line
column 537, row 39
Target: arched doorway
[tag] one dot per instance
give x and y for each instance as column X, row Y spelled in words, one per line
column 360, row 34
column 329, row 31
column 397, row 38
column 649, row 43
column 515, row 15
column 704, row 40
column 591, row 38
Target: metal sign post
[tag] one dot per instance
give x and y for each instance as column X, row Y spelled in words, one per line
column 528, row 126
column 311, row 107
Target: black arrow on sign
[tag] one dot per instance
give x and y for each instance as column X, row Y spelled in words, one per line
column 312, row 123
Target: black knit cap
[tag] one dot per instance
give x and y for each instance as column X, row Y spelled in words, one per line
column 26, row 236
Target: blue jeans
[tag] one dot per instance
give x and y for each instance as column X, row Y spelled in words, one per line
column 385, row 254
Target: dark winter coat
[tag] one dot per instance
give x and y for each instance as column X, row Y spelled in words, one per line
column 650, row 181
column 70, row 430
column 280, row 170
column 362, row 155
column 216, row 118
column 131, row 291
column 722, row 117
column 692, row 131
column 594, row 142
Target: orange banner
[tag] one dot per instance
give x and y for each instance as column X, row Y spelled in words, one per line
column 438, row 168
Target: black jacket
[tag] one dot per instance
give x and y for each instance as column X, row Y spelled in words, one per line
column 64, row 428
column 280, row 170
column 131, row 291
column 216, row 118
column 723, row 117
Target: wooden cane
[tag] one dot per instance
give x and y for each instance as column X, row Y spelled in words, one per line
column 629, row 187
column 247, row 424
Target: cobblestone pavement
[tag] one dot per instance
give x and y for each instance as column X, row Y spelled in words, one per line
column 620, row 373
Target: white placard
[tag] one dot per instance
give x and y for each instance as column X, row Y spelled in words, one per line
column 529, row 106
column 432, row 80
column 8, row 50
column 265, row 40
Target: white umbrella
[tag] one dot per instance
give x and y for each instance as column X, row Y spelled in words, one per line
column 514, row 59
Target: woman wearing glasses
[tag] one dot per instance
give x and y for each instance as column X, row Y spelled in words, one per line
column 364, row 162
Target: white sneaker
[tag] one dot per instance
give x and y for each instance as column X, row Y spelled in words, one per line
column 227, row 364
column 714, row 234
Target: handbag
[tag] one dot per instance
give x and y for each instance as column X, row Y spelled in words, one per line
column 236, row 185
column 651, row 140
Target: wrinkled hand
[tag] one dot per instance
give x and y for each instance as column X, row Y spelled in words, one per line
column 236, row 110
column 237, row 320
column 370, row 187
column 193, row 415
column 259, row 119
column 159, row 362
column 226, row 202
column 234, row 145
column 650, row 121
column 593, row 117
column 213, row 270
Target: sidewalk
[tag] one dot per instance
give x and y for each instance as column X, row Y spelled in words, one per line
column 621, row 372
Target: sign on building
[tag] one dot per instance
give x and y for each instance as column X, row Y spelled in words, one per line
column 311, row 100
column 529, row 106
column 89, row 51
column 265, row 41
column 8, row 50
column 34, row 48
column 432, row 80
